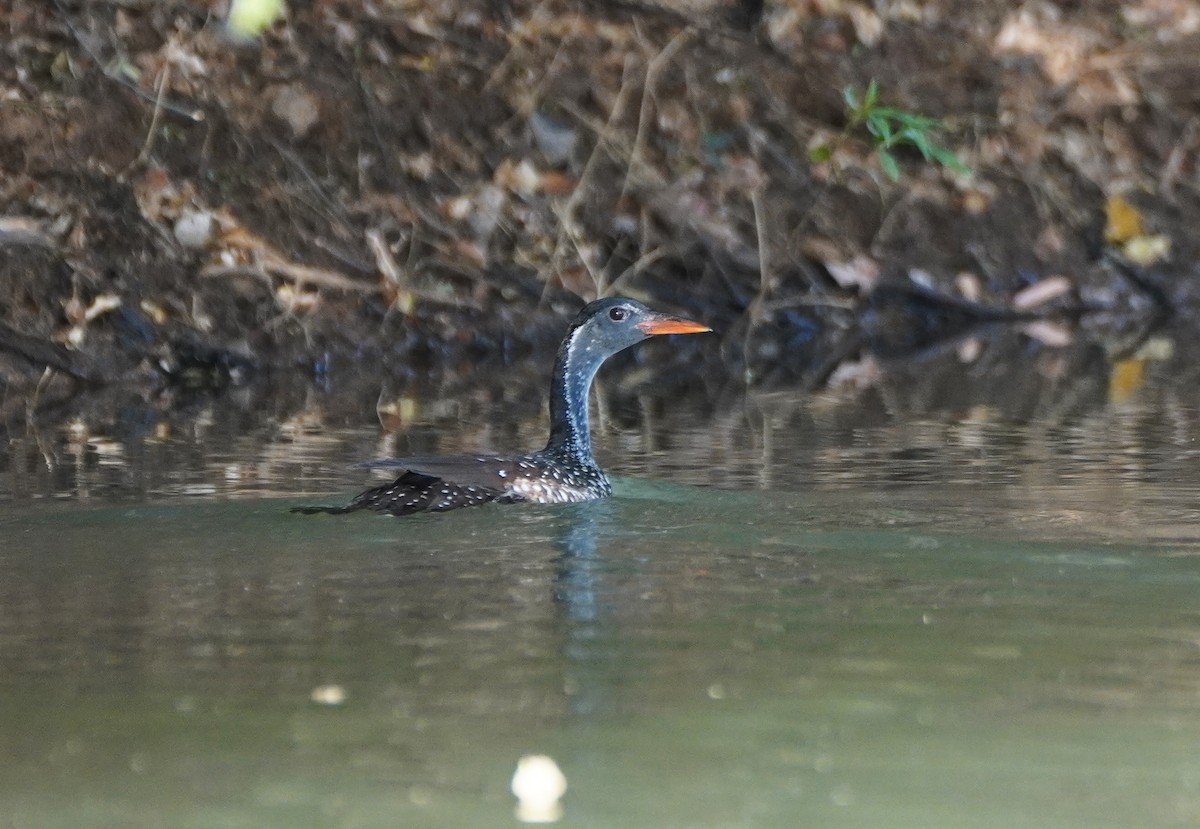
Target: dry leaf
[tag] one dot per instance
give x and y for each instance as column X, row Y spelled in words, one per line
column 1053, row 334
column 557, row 184
column 1123, row 220
column 1062, row 48
column 296, row 107
column 457, row 208
column 1126, row 378
column 1156, row 348
column 1146, row 250
column 861, row 272
column 863, row 374
column 555, row 139
column 868, row 27
column 101, row 305
column 154, row 311
column 1124, row 227
column 969, row 286
column 521, row 178
column 1040, row 293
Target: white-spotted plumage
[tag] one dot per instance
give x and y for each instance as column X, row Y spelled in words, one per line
column 565, row 470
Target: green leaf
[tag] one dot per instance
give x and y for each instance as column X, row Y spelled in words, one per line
column 948, row 160
column 888, row 128
column 850, row 96
column 881, row 128
column 888, row 163
column 888, row 113
column 820, row 153
column 918, row 122
column 918, row 139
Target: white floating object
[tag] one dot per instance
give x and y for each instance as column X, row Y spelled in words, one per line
column 328, row 695
column 539, row 785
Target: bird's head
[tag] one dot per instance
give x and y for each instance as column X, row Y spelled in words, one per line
column 609, row 325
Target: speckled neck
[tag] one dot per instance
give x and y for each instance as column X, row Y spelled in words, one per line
column 576, row 365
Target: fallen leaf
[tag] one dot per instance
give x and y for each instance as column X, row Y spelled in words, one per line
column 1053, row 334
column 296, row 107
column 861, row 272
column 970, row 350
column 975, row 201
column 101, row 305
column 1146, row 250
column 1123, row 220
column 1041, row 32
column 1126, row 378
column 557, row 184
column 555, row 139
column 968, row 286
column 154, row 311
column 456, row 208
column 421, row 63
column 1156, row 348
column 863, row 374
column 868, row 27
column 1040, row 293
column 521, row 178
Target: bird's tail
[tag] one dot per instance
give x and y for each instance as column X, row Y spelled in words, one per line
column 315, row 510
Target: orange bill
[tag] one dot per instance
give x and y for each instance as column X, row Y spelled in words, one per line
column 663, row 324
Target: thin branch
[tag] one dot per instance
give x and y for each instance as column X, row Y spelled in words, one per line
column 654, row 71
column 164, row 81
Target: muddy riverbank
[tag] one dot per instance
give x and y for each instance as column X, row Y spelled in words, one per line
column 415, row 188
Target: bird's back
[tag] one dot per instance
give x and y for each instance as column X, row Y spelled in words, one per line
column 438, row 484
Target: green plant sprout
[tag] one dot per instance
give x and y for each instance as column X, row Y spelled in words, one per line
column 890, row 128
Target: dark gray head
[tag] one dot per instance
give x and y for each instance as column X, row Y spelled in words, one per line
column 599, row 331
column 609, row 325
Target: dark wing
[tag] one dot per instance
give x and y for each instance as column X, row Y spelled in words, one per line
column 435, row 484
column 482, row 471
column 417, row 492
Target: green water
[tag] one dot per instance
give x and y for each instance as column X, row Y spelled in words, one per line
column 976, row 655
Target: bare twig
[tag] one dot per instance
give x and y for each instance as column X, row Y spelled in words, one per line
column 164, row 81
column 19, row 230
column 1175, row 160
column 765, row 280
column 654, row 71
column 43, row 381
column 334, row 211
column 495, row 77
column 644, row 261
column 603, row 138
column 193, row 114
column 755, row 312
column 299, row 274
column 51, row 355
column 572, row 232
column 566, row 214
column 568, row 227
column 384, row 261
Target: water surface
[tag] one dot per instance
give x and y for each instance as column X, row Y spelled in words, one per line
column 942, row 621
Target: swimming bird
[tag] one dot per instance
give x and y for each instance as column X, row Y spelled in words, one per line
column 565, row 470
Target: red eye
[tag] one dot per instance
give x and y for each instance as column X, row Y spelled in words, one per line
column 617, row 314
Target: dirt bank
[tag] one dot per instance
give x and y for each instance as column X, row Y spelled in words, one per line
column 416, row 185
